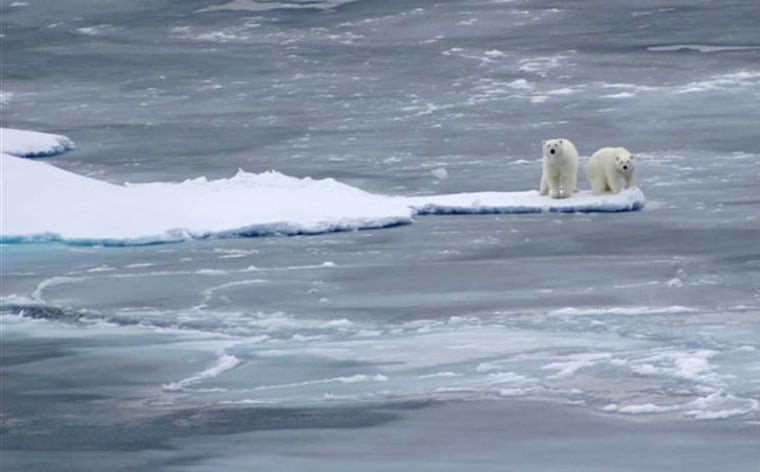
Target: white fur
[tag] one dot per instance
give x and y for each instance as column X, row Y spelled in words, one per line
column 560, row 168
column 608, row 167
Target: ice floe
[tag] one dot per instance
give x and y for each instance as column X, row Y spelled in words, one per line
column 43, row 203
column 24, row 143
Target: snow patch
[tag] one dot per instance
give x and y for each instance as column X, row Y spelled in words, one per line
column 440, row 173
column 352, row 379
column 575, row 363
column 263, row 5
column 647, row 408
column 707, row 48
column 224, row 363
column 623, row 311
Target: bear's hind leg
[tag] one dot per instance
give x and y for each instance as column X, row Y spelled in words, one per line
column 598, row 185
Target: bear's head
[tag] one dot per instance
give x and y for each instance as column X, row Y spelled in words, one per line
column 552, row 147
column 624, row 161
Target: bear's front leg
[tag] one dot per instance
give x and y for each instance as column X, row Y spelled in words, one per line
column 570, row 184
column 630, row 181
column 613, row 180
column 544, row 186
column 614, row 185
column 554, row 187
column 574, row 178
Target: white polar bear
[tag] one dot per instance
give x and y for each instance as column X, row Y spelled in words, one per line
column 560, row 168
column 607, row 167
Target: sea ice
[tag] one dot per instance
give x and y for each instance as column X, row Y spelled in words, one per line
column 530, row 201
column 41, row 202
column 23, row 143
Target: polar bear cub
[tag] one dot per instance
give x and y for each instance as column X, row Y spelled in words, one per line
column 560, row 168
column 607, row 167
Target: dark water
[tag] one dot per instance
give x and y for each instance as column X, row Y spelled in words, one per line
column 539, row 342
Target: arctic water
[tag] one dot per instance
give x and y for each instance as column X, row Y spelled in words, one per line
column 548, row 341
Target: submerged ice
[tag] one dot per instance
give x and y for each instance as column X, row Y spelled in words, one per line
column 471, row 358
column 268, row 359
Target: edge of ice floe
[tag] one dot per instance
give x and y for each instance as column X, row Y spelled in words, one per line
column 31, row 144
column 527, row 202
column 183, row 235
column 458, row 204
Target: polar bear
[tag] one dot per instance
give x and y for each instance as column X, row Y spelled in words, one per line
column 607, row 167
column 560, row 168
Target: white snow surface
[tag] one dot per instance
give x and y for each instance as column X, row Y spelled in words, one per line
column 41, row 202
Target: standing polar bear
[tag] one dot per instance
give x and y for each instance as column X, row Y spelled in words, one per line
column 607, row 167
column 560, row 168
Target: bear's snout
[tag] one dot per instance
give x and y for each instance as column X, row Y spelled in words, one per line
column 625, row 167
column 552, row 151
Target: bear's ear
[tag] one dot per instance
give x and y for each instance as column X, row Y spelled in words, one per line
column 631, row 156
column 543, row 143
column 560, row 141
column 617, row 158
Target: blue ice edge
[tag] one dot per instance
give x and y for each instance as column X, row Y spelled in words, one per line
column 522, row 210
column 50, row 145
column 284, row 229
column 53, row 151
column 179, row 236
column 526, row 202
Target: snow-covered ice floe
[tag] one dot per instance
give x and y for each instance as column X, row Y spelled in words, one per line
column 23, row 143
column 526, row 202
column 42, row 203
